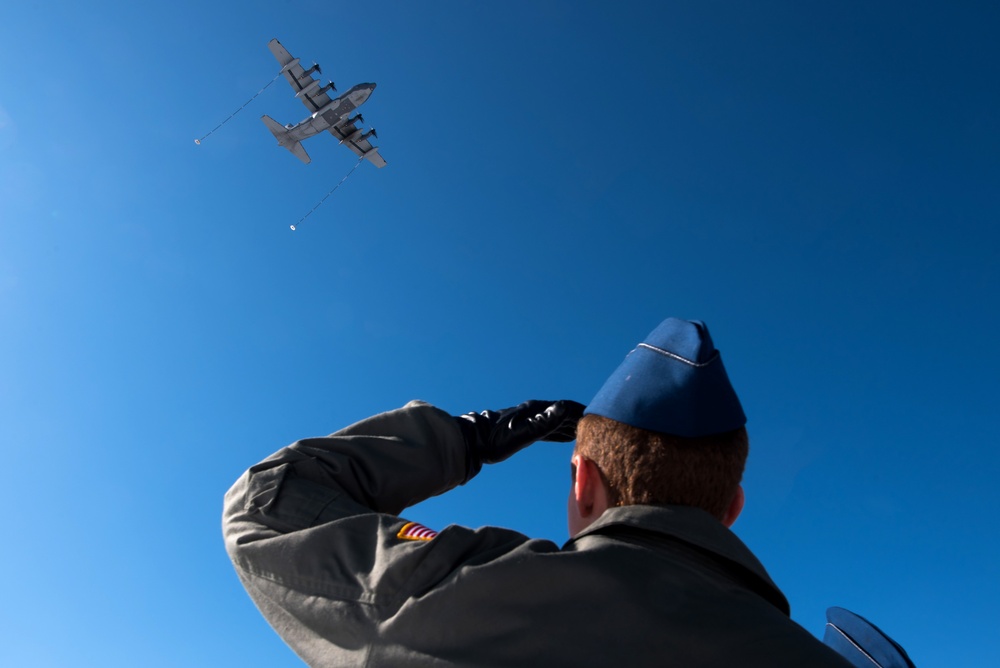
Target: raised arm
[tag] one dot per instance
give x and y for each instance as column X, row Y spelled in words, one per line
column 314, row 532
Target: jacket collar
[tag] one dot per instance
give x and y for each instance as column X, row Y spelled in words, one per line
column 696, row 527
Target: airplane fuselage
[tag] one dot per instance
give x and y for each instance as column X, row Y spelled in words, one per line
column 331, row 114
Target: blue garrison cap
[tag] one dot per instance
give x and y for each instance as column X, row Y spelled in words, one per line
column 861, row 642
column 674, row 383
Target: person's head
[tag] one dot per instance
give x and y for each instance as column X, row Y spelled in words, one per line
column 666, row 428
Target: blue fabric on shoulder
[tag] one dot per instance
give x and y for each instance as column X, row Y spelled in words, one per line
column 861, row 642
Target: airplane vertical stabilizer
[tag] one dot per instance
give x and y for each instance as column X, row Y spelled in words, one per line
column 280, row 133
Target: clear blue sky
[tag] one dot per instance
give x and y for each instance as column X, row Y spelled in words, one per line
column 820, row 184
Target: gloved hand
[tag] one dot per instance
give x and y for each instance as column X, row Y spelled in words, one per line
column 493, row 436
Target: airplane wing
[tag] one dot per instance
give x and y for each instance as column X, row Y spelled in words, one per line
column 306, row 88
column 347, row 134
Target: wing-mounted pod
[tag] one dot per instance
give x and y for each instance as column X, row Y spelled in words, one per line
column 373, row 156
column 309, row 88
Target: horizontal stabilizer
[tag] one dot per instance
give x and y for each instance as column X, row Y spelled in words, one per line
column 299, row 152
column 280, row 133
column 276, row 128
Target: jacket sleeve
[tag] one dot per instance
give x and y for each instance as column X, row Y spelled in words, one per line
column 386, row 463
column 314, row 534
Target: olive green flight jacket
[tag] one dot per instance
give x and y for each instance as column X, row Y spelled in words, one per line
column 315, row 535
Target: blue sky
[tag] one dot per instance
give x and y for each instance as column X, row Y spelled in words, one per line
column 820, row 184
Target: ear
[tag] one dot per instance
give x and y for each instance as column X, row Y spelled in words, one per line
column 590, row 495
column 735, row 507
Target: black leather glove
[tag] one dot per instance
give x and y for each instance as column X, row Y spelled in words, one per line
column 493, row 436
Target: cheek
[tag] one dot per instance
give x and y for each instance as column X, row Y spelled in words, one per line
column 572, row 516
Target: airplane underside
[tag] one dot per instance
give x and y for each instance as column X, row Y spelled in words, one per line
column 333, row 115
column 290, row 138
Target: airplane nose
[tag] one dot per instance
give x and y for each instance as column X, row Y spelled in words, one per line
column 361, row 94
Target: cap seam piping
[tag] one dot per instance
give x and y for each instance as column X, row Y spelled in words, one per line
column 856, row 645
column 671, row 355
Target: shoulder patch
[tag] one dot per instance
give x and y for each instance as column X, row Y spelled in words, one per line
column 414, row 531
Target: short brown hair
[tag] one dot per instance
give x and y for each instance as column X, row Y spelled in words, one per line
column 648, row 467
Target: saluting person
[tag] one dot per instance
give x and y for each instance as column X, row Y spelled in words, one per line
column 652, row 575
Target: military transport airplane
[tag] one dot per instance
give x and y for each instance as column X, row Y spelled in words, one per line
column 333, row 115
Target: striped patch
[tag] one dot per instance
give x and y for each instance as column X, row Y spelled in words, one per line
column 414, row 531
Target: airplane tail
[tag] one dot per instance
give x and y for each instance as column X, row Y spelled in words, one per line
column 281, row 134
